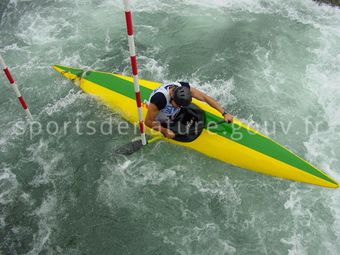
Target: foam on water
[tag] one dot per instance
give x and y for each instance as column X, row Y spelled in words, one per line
column 8, row 185
column 323, row 79
column 46, row 216
column 122, row 185
column 64, row 102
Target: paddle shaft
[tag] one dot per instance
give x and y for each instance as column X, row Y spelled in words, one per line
column 135, row 146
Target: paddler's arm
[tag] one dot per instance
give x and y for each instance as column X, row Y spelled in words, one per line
column 150, row 121
column 212, row 102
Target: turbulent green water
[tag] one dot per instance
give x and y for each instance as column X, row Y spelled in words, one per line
column 270, row 63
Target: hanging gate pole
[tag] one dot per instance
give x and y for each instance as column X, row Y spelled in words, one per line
column 15, row 88
column 132, row 49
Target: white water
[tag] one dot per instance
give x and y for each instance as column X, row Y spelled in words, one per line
column 264, row 60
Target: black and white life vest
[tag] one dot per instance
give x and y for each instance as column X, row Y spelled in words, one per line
column 169, row 111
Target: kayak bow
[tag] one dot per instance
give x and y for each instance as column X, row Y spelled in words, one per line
column 236, row 144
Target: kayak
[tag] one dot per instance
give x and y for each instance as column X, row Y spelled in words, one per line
column 236, row 144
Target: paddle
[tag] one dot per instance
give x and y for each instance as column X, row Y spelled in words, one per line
column 134, row 146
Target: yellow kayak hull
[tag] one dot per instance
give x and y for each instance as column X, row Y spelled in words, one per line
column 236, row 144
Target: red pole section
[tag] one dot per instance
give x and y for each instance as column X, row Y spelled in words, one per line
column 15, row 88
column 133, row 58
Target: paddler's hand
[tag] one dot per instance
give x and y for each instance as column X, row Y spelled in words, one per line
column 169, row 134
column 228, row 118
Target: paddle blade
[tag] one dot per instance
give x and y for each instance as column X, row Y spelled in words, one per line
column 129, row 148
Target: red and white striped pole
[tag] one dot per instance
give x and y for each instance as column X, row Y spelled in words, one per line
column 129, row 26
column 15, row 87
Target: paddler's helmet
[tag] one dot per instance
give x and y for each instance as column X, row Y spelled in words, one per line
column 182, row 96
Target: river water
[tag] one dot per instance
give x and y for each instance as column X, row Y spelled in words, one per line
column 273, row 64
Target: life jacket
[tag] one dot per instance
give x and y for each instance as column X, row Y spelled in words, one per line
column 169, row 111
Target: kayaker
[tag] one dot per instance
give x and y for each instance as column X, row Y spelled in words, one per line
column 166, row 101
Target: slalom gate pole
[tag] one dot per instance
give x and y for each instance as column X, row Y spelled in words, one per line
column 132, row 49
column 15, row 88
